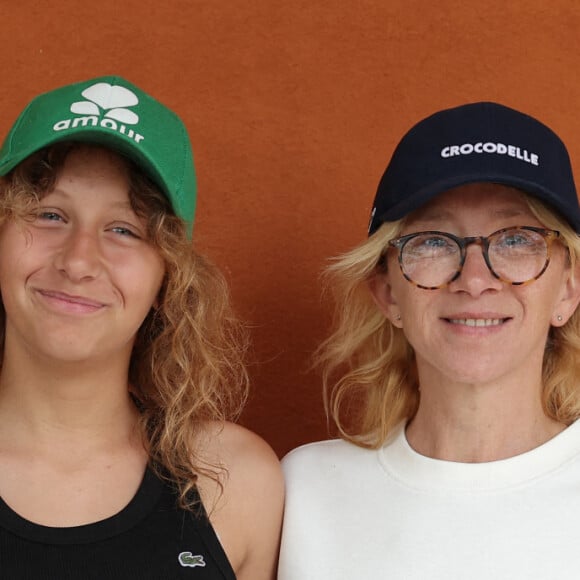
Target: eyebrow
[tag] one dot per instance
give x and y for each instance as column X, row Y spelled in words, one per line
column 64, row 194
column 442, row 214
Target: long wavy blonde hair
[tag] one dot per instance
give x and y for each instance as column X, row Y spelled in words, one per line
column 187, row 365
column 369, row 371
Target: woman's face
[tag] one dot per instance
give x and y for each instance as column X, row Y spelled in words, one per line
column 477, row 329
column 79, row 279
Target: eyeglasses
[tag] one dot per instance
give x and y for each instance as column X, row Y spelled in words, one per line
column 517, row 255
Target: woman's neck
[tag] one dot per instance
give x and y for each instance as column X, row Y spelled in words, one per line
column 479, row 423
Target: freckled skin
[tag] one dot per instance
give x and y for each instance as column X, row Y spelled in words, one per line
column 78, row 281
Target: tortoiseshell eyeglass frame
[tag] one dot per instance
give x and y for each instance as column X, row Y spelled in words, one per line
column 483, row 241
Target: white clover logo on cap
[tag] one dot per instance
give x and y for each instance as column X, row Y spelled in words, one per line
column 112, row 99
column 106, row 106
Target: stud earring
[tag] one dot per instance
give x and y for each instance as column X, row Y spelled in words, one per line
column 398, row 317
column 559, row 318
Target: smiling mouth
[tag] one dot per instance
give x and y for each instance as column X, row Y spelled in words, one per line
column 78, row 300
column 477, row 321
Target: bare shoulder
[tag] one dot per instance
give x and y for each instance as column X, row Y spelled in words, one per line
column 245, row 457
column 236, row 439
column 246, row 505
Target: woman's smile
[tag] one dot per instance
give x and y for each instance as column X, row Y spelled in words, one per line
column 477, row 322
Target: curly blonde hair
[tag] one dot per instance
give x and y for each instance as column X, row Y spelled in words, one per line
column 370, row 379
column 187, row 365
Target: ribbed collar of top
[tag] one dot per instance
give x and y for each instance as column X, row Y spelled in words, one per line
column 412, row 469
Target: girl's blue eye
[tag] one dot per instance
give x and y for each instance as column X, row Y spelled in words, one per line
column 48, row 215
column 124, row 231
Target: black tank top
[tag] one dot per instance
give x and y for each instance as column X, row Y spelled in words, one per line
column 150, row 539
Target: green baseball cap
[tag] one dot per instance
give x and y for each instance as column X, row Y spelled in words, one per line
column 112, row 112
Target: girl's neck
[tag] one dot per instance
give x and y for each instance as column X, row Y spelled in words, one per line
column 48, row 400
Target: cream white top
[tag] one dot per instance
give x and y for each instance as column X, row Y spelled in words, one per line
column 392, row 513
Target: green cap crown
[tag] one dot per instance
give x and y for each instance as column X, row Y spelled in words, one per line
column 114, row 113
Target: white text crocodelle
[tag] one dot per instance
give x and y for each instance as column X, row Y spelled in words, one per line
column 489, row 147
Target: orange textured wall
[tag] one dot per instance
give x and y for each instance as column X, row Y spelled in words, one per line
column 294, row 109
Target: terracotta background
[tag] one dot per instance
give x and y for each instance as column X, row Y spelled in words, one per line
column 294, row 109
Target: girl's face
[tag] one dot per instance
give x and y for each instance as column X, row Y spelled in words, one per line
column 478, row 329
column 78, row 280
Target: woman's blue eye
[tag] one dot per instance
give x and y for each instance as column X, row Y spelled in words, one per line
column 431, row 244
column 515, row 240
column 435, row 242
column 519, row 239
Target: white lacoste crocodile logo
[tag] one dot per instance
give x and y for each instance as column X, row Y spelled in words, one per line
column 188, row 560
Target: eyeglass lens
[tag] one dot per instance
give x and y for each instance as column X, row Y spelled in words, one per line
column 515, row 255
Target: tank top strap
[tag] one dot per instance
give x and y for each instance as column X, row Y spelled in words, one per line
column 209, row 537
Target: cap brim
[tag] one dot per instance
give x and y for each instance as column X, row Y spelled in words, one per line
column 96, row 136
column 423, row 196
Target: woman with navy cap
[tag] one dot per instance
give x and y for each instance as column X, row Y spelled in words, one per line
column 453, row 371
column 120, row 358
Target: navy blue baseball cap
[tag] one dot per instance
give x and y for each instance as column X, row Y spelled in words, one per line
column 478, row 142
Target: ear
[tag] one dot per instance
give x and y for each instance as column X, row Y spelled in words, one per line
column 569, row 297
column 381, row 291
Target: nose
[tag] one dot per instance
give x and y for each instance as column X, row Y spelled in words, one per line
column 79, row 257
column 475, row 277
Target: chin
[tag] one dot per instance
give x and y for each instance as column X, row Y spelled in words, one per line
column 73, row 351
column 476, row 370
